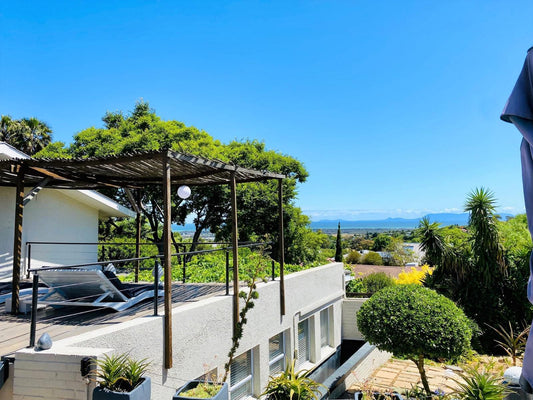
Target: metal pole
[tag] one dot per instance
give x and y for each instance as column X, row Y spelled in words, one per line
column 34, row 295
column 235, row 245
column 227, row 273
column 273, row 271
column 167, row 267
column 184, row 265
column 281, row 249
column 28, row 262
column 156, row 286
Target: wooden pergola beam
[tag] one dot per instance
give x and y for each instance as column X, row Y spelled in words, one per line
column 281, row 250
column 167, row 266
column 235, row 245
column 17, row 239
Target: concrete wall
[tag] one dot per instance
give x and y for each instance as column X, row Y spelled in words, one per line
column 350, row 306
column 202, row 330
column 50, row 216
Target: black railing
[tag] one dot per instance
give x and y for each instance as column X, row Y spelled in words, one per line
column 156, row 271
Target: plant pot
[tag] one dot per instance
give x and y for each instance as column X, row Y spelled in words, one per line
column 379, row 396
column 223, row 393
column 143, row 391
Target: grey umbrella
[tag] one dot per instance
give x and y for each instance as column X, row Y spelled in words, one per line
column 519, row 111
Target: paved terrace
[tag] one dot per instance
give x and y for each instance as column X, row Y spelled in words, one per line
column 72, row 321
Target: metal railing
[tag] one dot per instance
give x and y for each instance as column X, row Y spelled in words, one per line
column 156, row 271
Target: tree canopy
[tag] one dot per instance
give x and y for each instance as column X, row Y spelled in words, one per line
column 143, row 129
column 28, row 135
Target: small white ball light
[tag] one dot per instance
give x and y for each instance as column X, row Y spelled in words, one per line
column 184, row 192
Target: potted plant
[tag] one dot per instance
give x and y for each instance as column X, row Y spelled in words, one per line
column 197, row 389
column 120, row 377
column 291, row 384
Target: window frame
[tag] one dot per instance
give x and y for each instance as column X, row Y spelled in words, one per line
column 248, row 378
column 279, row 357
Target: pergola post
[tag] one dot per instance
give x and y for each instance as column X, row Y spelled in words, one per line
column 17, row 239
column 138, row 235
column 235, row 245
column 167, row 267
column 281, row 250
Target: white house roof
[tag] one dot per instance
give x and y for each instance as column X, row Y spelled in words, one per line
column 106, row 207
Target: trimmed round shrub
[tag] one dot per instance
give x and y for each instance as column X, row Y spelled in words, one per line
column 353, row 257
column 415, row 322
column 377, row 281
column 411, row 320
column 372, row 258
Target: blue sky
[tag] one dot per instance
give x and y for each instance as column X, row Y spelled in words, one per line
column 393, row 107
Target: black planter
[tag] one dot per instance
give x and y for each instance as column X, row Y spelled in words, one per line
column 379, row 396
column 4, row 372
column 142, row 392
column 223, row 393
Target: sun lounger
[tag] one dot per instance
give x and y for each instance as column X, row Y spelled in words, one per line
column 92, row 288
column 25, row 290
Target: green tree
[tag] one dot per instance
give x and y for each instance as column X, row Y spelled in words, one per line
column 433, row 325
column 28, row 135
column 143, row 130
column 381, row 242
column 338, row 245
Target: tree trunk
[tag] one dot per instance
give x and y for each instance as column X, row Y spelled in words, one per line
column 420, row 365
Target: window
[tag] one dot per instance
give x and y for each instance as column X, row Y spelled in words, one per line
column 241, row 376
column 324, row 328
column 304, row 346
column 276, row 353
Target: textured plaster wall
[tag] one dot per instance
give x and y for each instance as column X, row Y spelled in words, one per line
column 50, row 216
column 202, row 330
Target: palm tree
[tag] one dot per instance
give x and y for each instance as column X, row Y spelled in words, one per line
column 431, row 241
column 5, row 123
column 36, row 136
column 485, row 242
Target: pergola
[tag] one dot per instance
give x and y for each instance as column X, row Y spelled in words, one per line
column 135, row 171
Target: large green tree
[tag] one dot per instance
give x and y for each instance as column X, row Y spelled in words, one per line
column 28, row 135
column 142, row 130
column 475, row 270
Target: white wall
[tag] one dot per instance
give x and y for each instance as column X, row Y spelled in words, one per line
column 50, row 216
column 202, row 330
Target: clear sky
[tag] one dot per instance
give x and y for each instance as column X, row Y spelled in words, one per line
column 392, row 106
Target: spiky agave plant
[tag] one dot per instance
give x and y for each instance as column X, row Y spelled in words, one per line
column 479, row 384
column 119, row 372
column 292, row 385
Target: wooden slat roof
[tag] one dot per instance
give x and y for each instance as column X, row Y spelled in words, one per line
column 128, row 171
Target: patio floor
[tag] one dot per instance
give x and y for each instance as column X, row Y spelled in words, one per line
column 72, row 321
column 403, row 374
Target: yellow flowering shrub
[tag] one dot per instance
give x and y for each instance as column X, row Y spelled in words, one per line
column 413, row 276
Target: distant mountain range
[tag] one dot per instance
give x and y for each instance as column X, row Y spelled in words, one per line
column 397, row 223
column 388, row 223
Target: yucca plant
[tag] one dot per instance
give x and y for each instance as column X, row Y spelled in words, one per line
column 479, row 384
column 292, row 385
column 512, row 342
column 119, row 372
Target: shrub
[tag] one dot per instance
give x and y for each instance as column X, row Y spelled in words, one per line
column 415, row 322
column 377, row 281
column 479, row 384
column 356, row 286
column 414, row 276
column 353, row 257
column 372, row 258
column 290, row 384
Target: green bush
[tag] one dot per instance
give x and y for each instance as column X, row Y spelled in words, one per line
column 415, row 322
column 353, row 257
column 356, row 286
column 372, row 258
column 377, row 281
